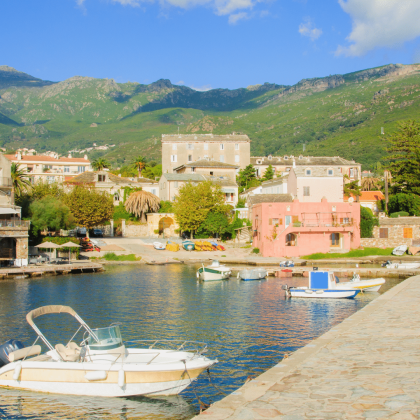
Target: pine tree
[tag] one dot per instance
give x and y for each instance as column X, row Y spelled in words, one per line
column 404, row 159
column 268, row 174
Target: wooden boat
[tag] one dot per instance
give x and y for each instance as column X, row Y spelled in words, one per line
column 322, row 285
column 400, row 250
column 159, row 246
column 371, row 285
column 188, row 245
column 249, row 274
column 213, row 272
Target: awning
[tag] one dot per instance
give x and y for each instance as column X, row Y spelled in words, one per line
column 5, row 210
column 228, row 190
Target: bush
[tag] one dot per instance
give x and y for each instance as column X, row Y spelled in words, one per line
column 112, row 256
column 120, row 213
column 409, row 203
column 367, row 222
column 399, row 214
column 356, row 253
column 166, row 207
column 256, row 251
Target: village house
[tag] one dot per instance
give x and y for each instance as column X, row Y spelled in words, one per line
column 180, row 149
column 283, row 165
column 50, row 169
column 286, row 227
column 369, row 199
column 209, row 167
column 113, row 184
column 275, row 186
column 13, row 230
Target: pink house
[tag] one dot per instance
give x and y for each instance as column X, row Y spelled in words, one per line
column 293, row 228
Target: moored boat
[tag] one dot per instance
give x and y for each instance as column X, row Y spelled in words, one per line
column 371, row 285
column 249, row 274
column 213, row 272
column 401, row 265
column 159, row 246
column 103, row 365
column 188, row 245
column 400, row 250
column 322, row 284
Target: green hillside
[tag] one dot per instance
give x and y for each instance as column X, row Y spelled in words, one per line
column 335, row 115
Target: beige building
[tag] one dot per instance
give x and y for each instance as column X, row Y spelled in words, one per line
column 283, row 165
column 51, row 169
column 113, row 184
column 180, row 149
column 209, row 167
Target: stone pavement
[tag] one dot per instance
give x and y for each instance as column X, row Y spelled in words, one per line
column 366, row 367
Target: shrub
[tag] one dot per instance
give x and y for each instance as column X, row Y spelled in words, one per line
column 367, row 222
column 256, row 251
column 112, row 256
column 409, row 203
column 399, row 213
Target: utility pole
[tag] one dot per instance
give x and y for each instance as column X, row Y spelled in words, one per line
column 386, row 191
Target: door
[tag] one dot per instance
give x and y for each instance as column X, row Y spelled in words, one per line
column 288, row 220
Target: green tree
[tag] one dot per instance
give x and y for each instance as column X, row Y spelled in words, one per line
column 48, row 213
column 152, row 172
column 139, row 163
column 351, row 188
column 142, row 202
column 100, row 164
column 166, row 207
column 241, row 203
column 20, row 180
column 247, row 178
column 194, row 202
column 404, row 159
column 409, row 203
column 89, row 207
column 367, row 222
column 268, row 174
column 371, row 184
column 215, row 223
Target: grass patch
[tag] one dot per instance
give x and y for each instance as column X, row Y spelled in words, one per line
column 356, row 253
column 246, row 246
column 112, row 256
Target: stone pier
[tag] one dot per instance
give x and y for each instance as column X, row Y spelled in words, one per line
column 366, row 367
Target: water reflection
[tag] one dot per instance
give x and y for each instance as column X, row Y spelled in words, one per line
column 248, row 326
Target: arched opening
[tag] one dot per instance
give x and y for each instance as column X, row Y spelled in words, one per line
column 7, row 249
column 335, row 239
column 291, row 239
column 165, row 223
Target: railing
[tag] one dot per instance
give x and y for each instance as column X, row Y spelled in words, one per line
column 6, row 223
column 195, row 347
column 6, row 182
column 335, row 219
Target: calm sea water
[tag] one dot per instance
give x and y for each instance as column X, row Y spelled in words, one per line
column 248, row 326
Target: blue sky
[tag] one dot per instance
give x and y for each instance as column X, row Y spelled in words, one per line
column 207, row 43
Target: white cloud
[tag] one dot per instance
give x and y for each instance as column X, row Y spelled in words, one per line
column 308, row 29
column 181, row 82
column 203, row 88
column 380, row 23
column 233, row 19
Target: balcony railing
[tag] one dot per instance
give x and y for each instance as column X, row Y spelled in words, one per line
column 339, row 219
column 6, row 223
column 6, row 182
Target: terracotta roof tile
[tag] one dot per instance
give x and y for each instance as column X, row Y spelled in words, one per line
column 46, row 159
column 368, row 196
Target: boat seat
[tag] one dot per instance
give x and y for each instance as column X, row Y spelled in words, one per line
column 25, row 352
column 73, row 346
column 68, row 355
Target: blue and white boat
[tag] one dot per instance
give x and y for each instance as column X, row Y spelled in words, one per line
column 288, row 263
column 188, row 245
column 322, row 284
column 248, row 274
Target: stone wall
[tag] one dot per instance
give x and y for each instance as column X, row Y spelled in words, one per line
column 395, row 236
column 137, row 231
column 383, row 243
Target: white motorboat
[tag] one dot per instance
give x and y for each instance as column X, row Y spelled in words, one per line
column 322, row 284
column 248, row 274
column 400, row 250
column 401, row 265
column 213, row 272
column 103, row 365
column 287, row 263
column 371, row 285
column 159, row 246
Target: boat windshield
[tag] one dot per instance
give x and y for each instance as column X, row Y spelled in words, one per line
column 108, row 338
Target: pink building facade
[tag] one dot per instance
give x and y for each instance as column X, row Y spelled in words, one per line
column 294, row 229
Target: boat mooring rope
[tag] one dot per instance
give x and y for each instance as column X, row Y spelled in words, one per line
column 203, row 405
column 214, row 386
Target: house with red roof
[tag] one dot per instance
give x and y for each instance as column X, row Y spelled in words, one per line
column 368, row 199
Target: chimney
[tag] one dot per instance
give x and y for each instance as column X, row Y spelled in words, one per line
column 19, row 155
column 85, row 157
column 69, row 156
column 294, row 163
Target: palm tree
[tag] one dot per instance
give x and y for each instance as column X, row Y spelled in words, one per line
column 351, row 188
column 100, row 163
column 20, row 179
column 371, row 184
column 142, row 202
column 139, row 163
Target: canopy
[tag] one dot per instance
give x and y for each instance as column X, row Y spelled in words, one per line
column 70, row 244
column 51, row 309
column 48, row 245
column 7, row 210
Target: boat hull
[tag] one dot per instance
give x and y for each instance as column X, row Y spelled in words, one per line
column 363, row 285
column 251, row 275
column 406, row 266
column 213, row 275
column 323, row 293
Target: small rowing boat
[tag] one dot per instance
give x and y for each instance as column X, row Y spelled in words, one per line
column 213, row 272
column 371, row 285
column 249, row 274
column 159, row 246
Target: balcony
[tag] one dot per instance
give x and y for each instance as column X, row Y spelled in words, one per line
column 6, row 182
column 11, row 223
column 335, row 219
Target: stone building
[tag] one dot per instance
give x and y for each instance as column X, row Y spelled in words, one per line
column 180, row 149
column 13, row 230
column 209, row 167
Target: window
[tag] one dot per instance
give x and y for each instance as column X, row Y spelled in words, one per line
column 176, row 184
column 173, row 146
column 116, row 197
column 270, row 157
column 211, row 172
column 286, row 157
column 173, row 158
column 101, row 178
column 335, row 239
column 236, row 158
column 300, row 157
column 306, row 191
column 50, row 179
column 222, row 147
column 237, row 146
column 206, row 146
column 67, row 169
column 189, row 158
column 408, row 233
column 153, row 191
column 190, row 146
column 291, row 239
column 288, row 220
column 192, row 169
column 330, row 172
column 81, row 168
column 308, row 172
column 275, row 222
column 222, row 158
column 351, row 173
column 383, row 233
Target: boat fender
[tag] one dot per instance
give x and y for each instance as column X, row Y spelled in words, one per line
column 18, row 370
column 121, row 378
column 237, row 275
column 309, row 292
column 96, row 375
column 319, row 292
column 197, row 275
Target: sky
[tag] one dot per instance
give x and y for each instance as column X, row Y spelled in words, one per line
column 207, row 44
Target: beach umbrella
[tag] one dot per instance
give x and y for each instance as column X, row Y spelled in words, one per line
column 48, row 245
column 70, row 245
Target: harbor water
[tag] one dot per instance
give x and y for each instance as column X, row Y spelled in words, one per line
column 249, row 327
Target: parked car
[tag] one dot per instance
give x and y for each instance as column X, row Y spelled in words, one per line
column 81, row 232
column 97, row 233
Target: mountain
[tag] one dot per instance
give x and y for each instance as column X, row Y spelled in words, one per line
column 334, row 115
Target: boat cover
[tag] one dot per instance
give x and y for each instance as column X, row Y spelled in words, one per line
column 51, row 309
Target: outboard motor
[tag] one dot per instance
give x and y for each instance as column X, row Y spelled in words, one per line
column 286, row 289
column 386, row 263
column 7, row 348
